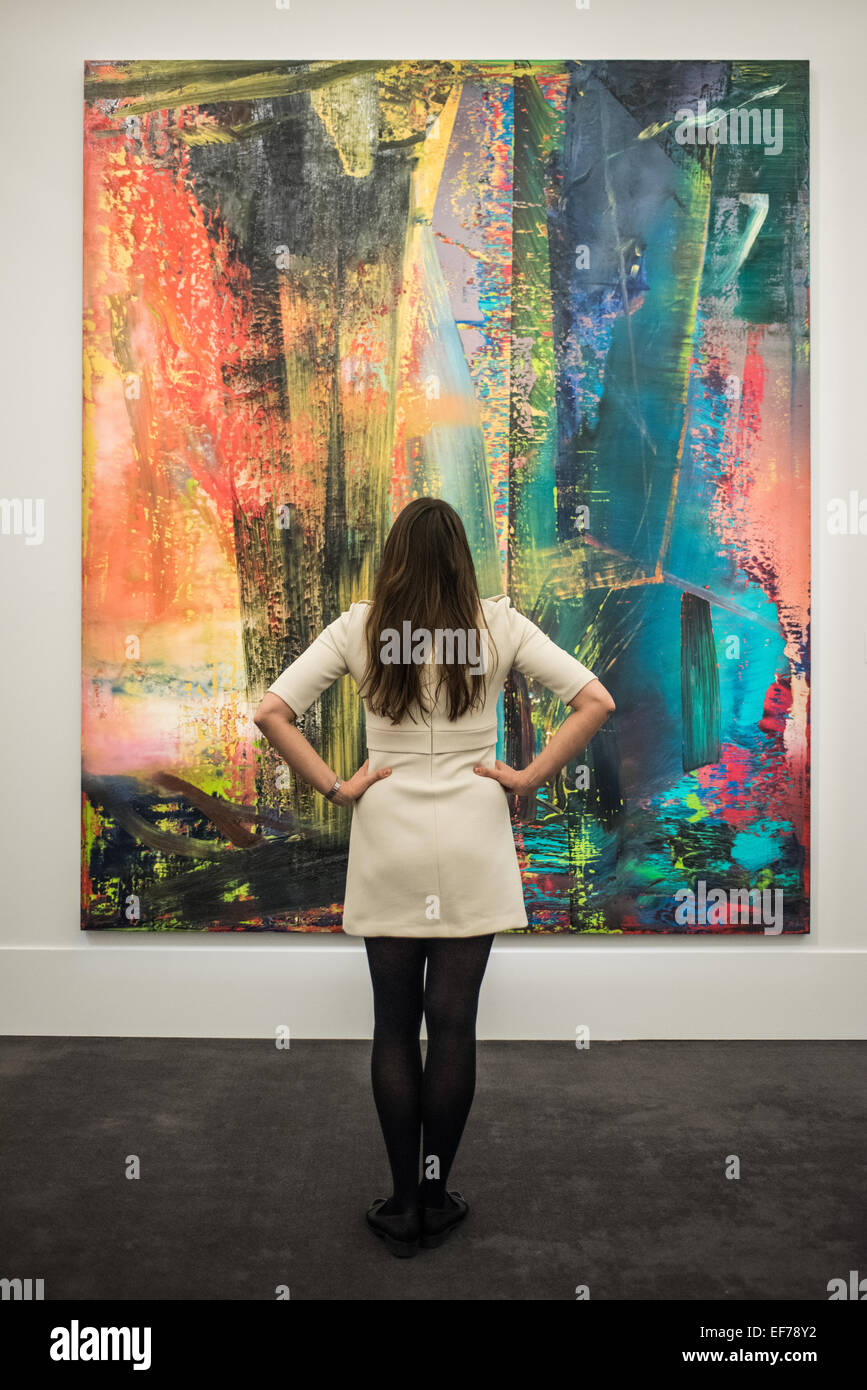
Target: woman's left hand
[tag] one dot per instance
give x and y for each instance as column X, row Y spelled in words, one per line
column 509, row 777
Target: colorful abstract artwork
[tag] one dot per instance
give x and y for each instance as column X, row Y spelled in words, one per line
column 570, row 297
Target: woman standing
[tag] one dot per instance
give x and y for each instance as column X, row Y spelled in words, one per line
column 432, row 871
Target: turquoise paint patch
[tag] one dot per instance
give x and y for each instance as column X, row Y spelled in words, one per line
column 754, row 851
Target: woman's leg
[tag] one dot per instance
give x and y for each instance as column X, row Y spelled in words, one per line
column 455, row 969
column 397, row 975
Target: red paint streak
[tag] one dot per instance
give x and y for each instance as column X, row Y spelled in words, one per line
column 778, row 702
column 167, row 302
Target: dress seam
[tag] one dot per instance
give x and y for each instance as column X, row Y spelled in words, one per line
column 435, row 819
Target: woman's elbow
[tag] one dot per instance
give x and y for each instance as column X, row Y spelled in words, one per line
column 608, row 704
column 600, row 698
column 271, row 708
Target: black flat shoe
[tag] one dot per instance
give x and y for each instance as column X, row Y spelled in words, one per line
column 400, row 1230
column 437, row 1223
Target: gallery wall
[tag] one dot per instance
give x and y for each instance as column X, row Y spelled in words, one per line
column 58, row 980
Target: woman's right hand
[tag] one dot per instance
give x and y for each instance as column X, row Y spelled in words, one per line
column 518, row 782
column 358, row 783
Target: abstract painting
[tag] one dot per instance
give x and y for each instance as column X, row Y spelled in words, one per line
column 572, row 298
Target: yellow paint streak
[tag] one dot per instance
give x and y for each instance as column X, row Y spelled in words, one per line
column 701, row 811
column 412, row 407
column 349, row 111
column 428, row 172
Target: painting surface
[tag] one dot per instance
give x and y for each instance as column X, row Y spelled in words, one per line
column 569, row 297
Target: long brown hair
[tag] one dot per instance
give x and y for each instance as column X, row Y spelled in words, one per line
column 426, row 576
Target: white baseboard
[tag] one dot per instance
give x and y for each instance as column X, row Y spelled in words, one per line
column 534, row 989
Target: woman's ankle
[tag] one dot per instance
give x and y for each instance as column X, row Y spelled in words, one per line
column 434, row 1196
column 400, row 1206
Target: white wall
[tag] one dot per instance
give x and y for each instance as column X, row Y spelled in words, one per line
column 58, row 980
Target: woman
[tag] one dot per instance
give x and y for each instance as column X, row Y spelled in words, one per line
column 432, row 871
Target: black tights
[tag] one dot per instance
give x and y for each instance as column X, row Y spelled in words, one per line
column 433, row 1103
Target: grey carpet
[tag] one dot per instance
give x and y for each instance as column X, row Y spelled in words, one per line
column 604, row 1167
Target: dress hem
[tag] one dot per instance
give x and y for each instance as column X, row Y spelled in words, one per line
column 487, row 930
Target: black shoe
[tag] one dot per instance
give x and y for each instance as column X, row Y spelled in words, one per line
column 400, row 1230
column 437, row 1223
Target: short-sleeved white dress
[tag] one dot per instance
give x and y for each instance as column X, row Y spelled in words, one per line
column 431, row 848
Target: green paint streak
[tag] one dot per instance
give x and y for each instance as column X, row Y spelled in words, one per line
column 748, row 250
column 168, row 85
column 533, row 420
column 699, row 683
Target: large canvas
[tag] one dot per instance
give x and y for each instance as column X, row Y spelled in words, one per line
column 571, row 298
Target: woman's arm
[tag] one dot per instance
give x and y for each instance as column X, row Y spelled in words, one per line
column 277, row 721
column 590, row 709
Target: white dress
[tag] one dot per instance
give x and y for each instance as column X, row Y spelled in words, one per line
column 431, row 848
